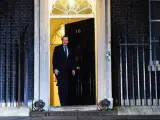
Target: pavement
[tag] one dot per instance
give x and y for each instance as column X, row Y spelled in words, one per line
column 83, row 118
column 94, row 115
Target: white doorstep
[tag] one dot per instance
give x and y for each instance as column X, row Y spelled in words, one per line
column 74, row 108
column 12, row 111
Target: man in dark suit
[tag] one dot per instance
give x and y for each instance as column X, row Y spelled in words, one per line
column 63, row 67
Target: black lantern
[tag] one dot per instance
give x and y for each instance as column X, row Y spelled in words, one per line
column 103, row 104
column 39, row 105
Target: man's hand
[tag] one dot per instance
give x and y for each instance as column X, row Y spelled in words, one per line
column 73, row 72
column 56, row 72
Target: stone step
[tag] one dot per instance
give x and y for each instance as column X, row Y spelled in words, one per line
column 75, row 108
column 75, row 113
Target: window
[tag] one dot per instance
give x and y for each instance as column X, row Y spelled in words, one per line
column 69, row 7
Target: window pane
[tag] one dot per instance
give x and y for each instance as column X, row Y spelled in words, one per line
column 156, row 40
column 155, row 29
column 155, row 10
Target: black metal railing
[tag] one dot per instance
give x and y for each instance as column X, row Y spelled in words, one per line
column 139, row 71
column 14, row 71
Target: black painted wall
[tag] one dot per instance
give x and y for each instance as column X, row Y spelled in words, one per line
column 16, row 28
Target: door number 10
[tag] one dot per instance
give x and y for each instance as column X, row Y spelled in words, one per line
column 78, row 31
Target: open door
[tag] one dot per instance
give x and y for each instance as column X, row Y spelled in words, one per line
column 82, row 88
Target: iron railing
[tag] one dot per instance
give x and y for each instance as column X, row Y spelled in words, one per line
column 14, row 71
column 139, row 71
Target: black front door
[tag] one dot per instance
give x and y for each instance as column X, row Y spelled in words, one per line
column 82, row 42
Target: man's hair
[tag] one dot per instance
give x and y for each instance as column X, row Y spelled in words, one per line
column 64, row 37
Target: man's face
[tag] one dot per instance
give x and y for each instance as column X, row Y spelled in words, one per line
column 65, row 41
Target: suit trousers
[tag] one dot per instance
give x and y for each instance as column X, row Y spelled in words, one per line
column 63, row 88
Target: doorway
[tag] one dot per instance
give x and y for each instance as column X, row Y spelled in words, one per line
column 82, row 87
column 100, row 10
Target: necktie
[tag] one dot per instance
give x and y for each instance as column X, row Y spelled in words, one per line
column 65, row 50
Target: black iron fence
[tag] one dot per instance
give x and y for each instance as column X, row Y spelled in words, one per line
column 139, row 71
column 14, row 71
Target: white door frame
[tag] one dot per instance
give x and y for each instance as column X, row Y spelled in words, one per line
column 42, row 51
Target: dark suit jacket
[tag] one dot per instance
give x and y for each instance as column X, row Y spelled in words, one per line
column 63, row 64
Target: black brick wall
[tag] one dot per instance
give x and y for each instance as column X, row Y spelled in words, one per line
column 129, row 18
column 131, row 13
column 16, row 26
